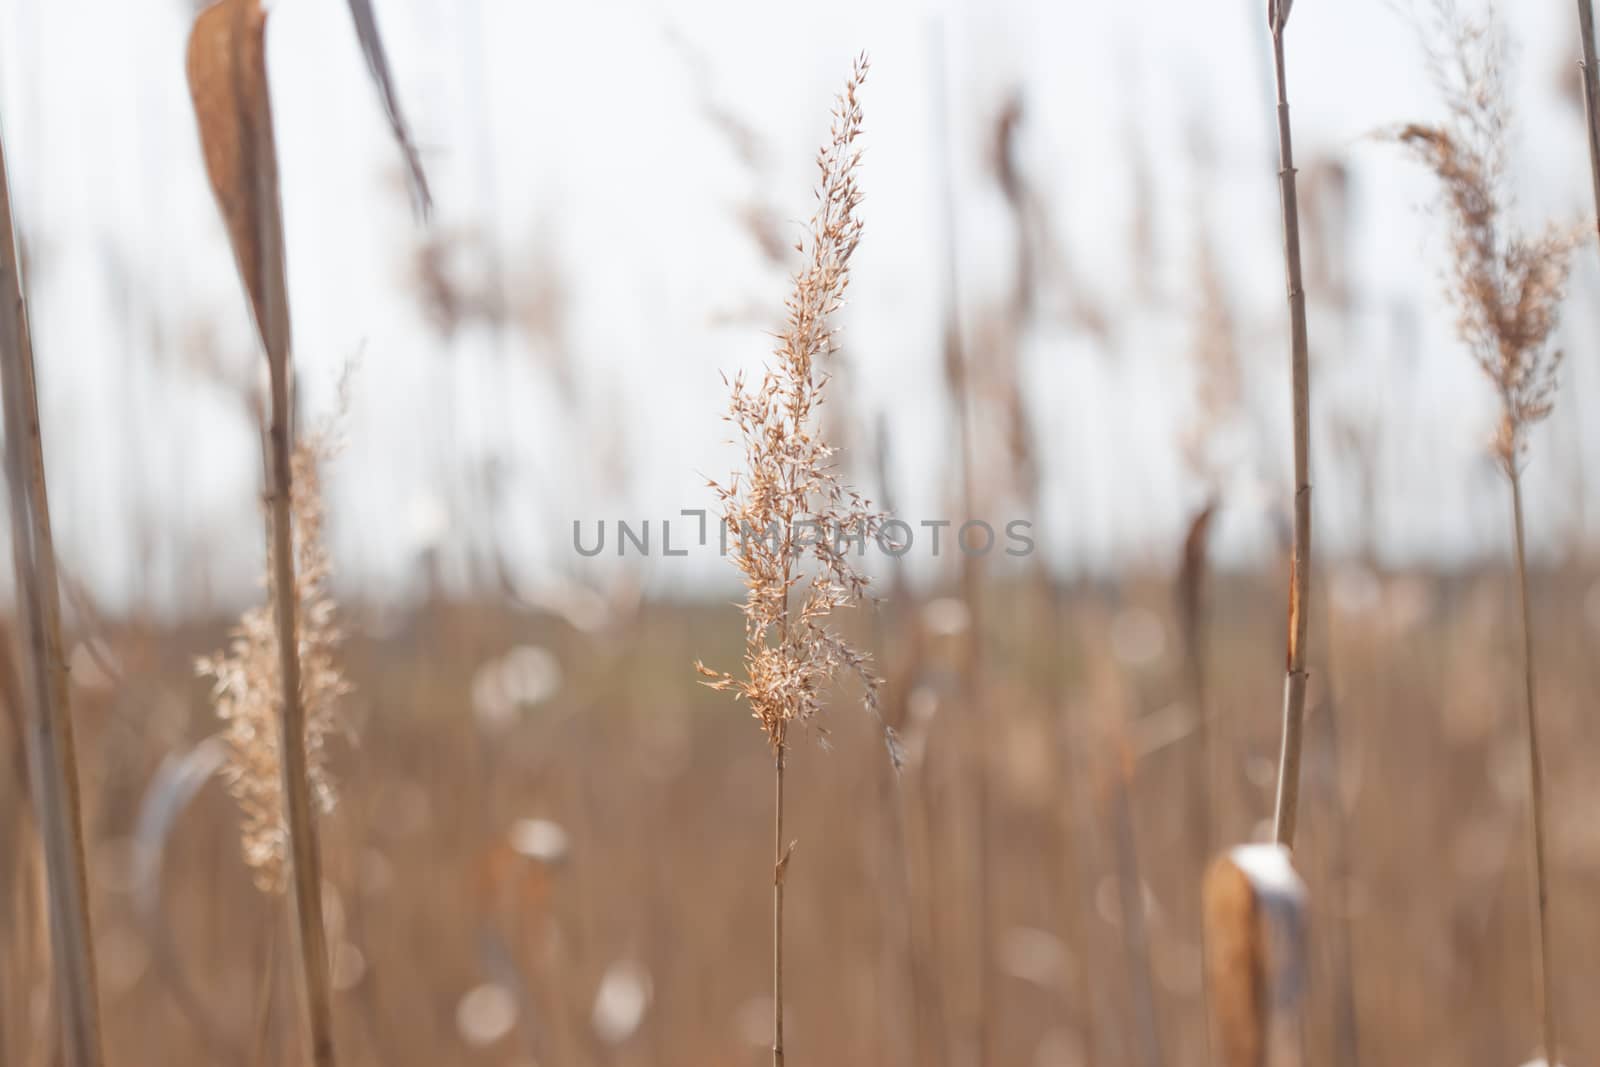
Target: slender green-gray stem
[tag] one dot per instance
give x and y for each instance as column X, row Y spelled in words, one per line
column 1294, row 685
column 53, row 762
column 1544, row 989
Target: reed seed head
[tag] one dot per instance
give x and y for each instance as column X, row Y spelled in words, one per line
column 247, row 684
column 787, row 512
column 1507, row 286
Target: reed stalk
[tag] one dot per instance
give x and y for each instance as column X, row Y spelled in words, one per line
column 780, row 863
column 228, row 81
column 1507, row 288
column 52, row 757
column 1287, row 807
column 1591, row 98
column 790, row 484
column 958, row 380
column 1544, row 995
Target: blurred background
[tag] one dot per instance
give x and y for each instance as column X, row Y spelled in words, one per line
column 551, row 843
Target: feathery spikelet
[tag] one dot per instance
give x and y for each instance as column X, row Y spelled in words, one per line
column 247, row 684
column 1507, row 287
column 788, row 513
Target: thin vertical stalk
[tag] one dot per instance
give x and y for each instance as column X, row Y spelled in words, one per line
column 780, row 861
column 957, row 374
column 1544, row 990
column 901, row 804
column 1146, row 1018
column 53, row 762
column 1294, row 685
column 311, row 942
column 1346, row 1018
column 1193, row 620
column 1071, row 871
column 234, row 111
column 1591, row 97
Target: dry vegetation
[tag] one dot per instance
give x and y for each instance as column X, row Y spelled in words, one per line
column 550, row 844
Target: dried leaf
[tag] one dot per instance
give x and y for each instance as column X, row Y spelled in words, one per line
column 228, row 81
column 378, row 66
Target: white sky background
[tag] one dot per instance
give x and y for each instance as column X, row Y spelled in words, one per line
column 577, row 135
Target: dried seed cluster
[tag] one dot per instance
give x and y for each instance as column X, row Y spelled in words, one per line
column 247, row 684
column 793, row 523
column 1507, row 287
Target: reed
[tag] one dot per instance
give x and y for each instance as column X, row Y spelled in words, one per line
column 1591, row 98
column 228, row 81
column 790, row 518
column 53, row 765
column 959, row 382
column 1287, row 806
column 1507, row 288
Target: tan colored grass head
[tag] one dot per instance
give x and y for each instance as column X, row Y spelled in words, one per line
column 784, row 509
column 1507, row 286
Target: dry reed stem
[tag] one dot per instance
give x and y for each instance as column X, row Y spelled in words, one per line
column 1192, row 622
column 958, row 379
column 1507, row 289
column 228, row 81
column 1131, row 900
column 53, row 760
column 1287, row 807
column 780, row 865
column 1545, row 995
column 1591, row 98
column 795, row 579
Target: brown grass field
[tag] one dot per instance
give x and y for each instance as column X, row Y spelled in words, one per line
column 1413, row 845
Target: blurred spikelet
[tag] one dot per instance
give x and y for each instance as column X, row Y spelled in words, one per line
column 247, row 687
column 1219, row 384
column 789, row 505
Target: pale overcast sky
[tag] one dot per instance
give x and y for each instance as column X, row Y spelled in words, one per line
column 578, row 134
